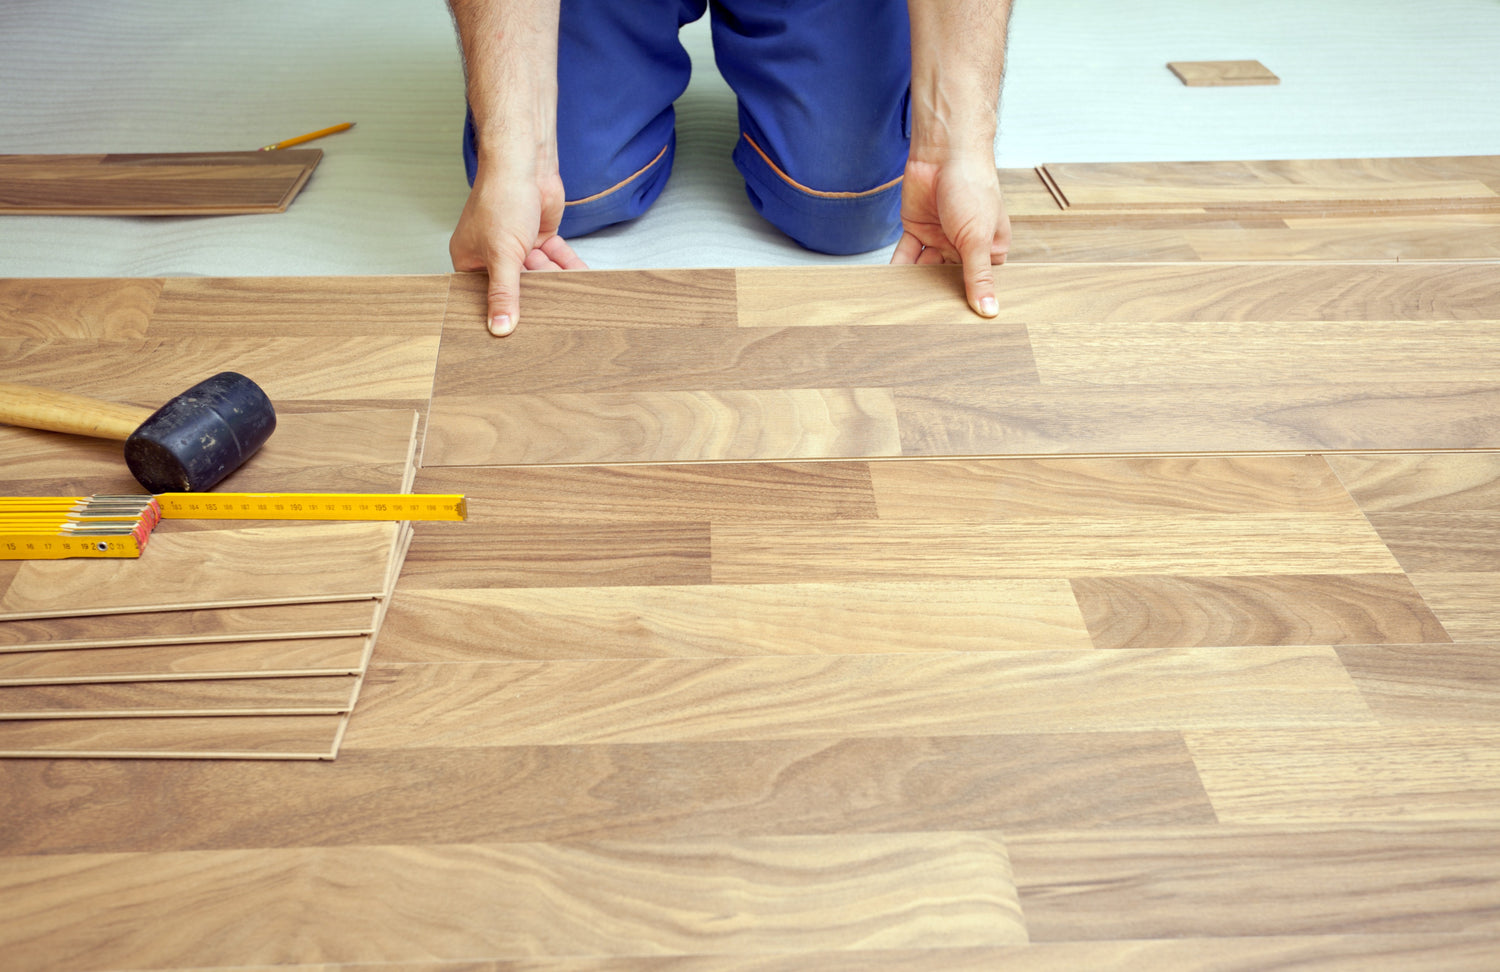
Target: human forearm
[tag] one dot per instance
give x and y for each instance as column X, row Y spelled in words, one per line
column 510, row 72
column 958, row 59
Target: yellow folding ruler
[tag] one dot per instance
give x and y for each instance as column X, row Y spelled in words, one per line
column 54, row 527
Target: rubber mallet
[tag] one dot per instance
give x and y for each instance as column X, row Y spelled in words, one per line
column 186, row 446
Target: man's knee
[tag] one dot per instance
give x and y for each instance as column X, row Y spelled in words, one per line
column 837, row 221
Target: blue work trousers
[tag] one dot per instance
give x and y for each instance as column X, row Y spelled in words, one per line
column 824, row 115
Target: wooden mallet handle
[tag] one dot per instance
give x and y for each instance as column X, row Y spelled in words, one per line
column 55, row 411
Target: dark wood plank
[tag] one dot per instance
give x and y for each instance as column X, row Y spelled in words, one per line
column 604, row 299
column 1442, row 542
column 1440, row 685
column 269, row 307
column 1175, row 611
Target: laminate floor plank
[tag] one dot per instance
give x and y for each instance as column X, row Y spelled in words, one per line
column 229, row 737
column 160, row 184
column 995, row 490
column 1435, row 483
column 1467, row 603
column 1438, row 237
column 1197, row 419
column 272, row 307
column 559, row 555
column 227, row 568
column 211, row 625
column 284, row 656
column 604, row 299
column 556, row 360
column 1198, row 544
column 1428, row 685
column 1210, row 74
column 1442, row 542
column 1176, row 611
column 1049, row 242
column 1124, row 293
column 726, row 620
column 801, row 697
column 1351, row 776
column 68, row 309
column 640, row 791
column 513, row 900
column 826, row 490
column 667, row 426
column 1245, row 880
column 311, row 695
column 1264, row 355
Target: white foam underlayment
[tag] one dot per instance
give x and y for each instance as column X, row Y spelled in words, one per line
column 1086, row 81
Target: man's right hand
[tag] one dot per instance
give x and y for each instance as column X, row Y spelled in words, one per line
column 509, row 224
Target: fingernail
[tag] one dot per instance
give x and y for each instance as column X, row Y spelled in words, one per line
column 988, row 307
column 501, row 325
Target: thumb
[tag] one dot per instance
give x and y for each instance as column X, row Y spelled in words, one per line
column 504, row 299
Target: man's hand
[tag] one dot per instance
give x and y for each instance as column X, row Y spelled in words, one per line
column 508, row 224
column 952, row 212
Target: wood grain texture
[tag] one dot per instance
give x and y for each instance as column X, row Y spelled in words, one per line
column 1237, row 881
column 724, row 620
column 311, row 695
column 825, row 490
column 93, row 310
column 1468, row 604
column 1192, row 612
column 1201, row 74
column 1006, row 489
column 272, row 307
column 1350, row 775
column 292, row 564
column 1197, row 419
column 727, row 426
column 325, row 619
column 233, row 737
column 1431, row 685
column 179, row 184
column 646, row 791
column 326, row 656
column 1442, row 542
column 1339, row 238
column 605, row 299
column 799, row 697
column 1193, row 544
column 1436, row 483
column 745, row 895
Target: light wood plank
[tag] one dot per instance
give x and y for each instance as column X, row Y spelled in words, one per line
column 1431, row 236
column 1122, row 293
column 66, row 309
column 288, row 564
column 1439, row 543
column 1058, row 546
column 666, row 426
column 746, row 895
column 1005, row 489
column 1433, row 685
column 1351, row 775
column 799, row 697
column 326, row 656
column 325, row 619
column 185, row 183
column 1267, row 354
column 1037, row 241
column 312, row 695
column 604, row 299
column 1175, row 611
column 725, row 620
column 272, row 307
column 638, row 791
column 826, row 490
column 1201, row 74
column 1197, row 419
column 1434, row 483
column 1468, row 604
column 231, row 737
column 555, row 360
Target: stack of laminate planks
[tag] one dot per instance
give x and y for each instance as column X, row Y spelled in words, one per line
column 1438, row 208
column 226, row 638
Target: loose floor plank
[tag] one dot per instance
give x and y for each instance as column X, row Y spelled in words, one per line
column 224, row 737
column 317, row 656
column 310, row 695
column 176, row 184
column 1209, row 74
column 513, row 900
column 800, row 697
column 214, row 625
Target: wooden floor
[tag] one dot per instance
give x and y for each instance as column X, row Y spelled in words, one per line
column 804, row 621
